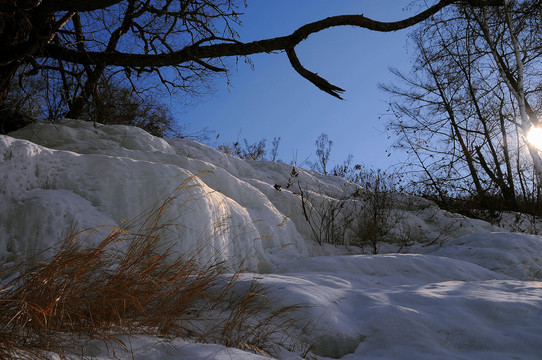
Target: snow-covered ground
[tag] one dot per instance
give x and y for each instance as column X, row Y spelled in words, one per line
column 474, row 293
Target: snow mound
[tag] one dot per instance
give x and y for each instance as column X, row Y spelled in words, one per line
column 412, row 306
column 513, row 254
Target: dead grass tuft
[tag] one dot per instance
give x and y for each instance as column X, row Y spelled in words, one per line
column 83, row 293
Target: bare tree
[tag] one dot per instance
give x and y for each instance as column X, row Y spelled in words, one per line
column 121, row 105
column 518, row 26
column 459, row 114
column 83, row 39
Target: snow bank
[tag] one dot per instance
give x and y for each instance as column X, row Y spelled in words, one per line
column 474, row 294
column 513, row 254
column 416, row 307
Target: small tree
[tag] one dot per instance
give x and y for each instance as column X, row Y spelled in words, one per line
column 329, row 217
column 362, row 214
column 275, row 148
column 121, row 105
column 323, row 152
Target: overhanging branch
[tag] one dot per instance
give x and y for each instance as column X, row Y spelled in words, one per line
column 287, row 44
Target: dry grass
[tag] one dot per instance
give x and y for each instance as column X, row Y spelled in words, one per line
column 87, row 293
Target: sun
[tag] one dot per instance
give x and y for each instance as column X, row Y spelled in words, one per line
column 534, row 137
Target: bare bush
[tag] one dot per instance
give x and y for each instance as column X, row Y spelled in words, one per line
column 255, row 151
column 364, row 214
column 377, row 218
column 328, row 217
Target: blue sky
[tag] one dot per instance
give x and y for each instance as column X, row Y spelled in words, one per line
column 272, row 100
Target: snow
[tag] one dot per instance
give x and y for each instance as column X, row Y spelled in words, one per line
column 474, row 293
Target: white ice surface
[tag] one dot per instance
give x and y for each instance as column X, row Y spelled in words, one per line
column 474, row 295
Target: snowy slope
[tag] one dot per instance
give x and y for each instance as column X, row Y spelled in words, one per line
column 474, row 295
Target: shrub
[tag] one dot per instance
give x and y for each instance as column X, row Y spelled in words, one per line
column 377, row 219
column 329, row 217
column 254, row 151
column 362, row 214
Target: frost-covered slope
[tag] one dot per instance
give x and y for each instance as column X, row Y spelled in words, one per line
column 86, row 176
column 72, row 173
column 477, row 296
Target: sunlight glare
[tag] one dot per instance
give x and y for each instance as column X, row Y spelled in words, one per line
column 534, row 136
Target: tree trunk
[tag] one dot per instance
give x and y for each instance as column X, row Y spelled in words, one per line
column 7, row 122
column 514, row 84
column 6, row 76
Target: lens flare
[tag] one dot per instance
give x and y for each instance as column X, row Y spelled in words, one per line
column 534, row 136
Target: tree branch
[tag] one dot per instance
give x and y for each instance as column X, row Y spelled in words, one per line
column 75, row 5
column 209, row 66
column 318, row 81
column 288, row 43
column 242, row 49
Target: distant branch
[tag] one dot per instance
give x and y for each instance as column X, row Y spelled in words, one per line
column 209, row 66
